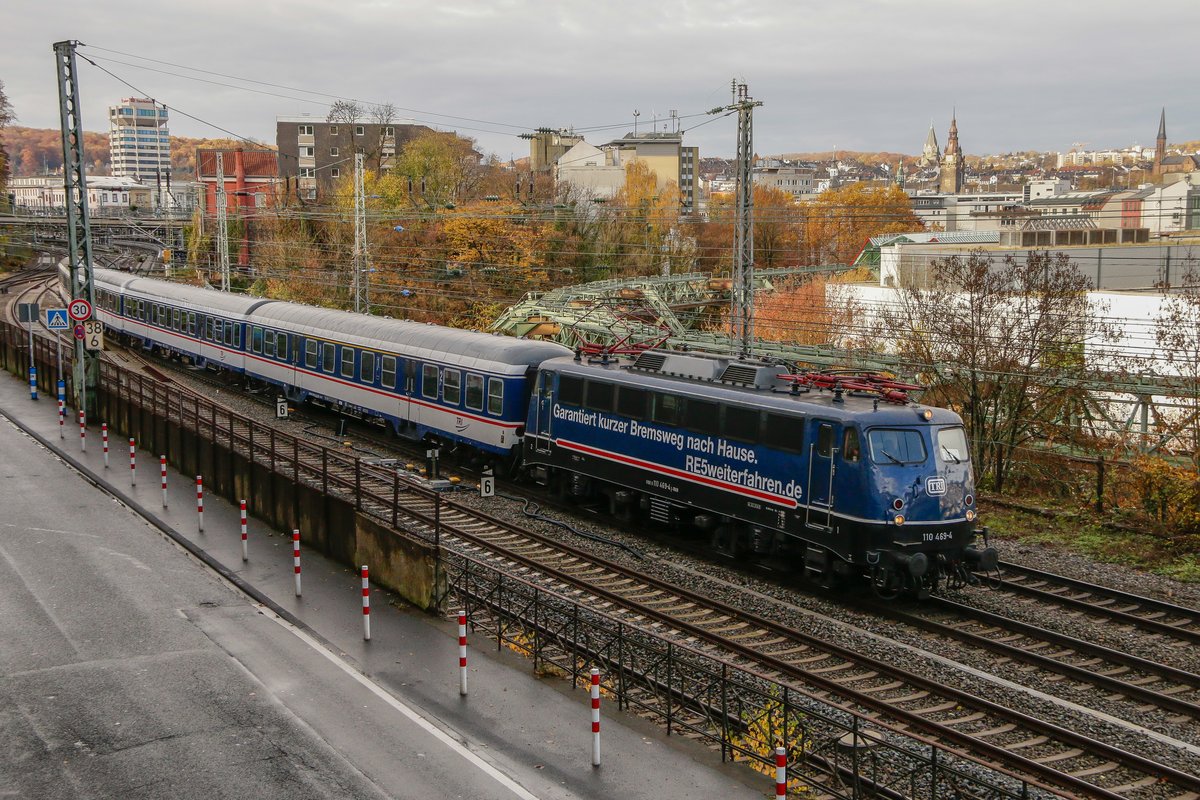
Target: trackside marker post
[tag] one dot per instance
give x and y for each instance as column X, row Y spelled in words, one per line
column 162, row 472
column 366, row 594
column 200, row 502
column 132, row 462
column 82, row 432
column 780, row 772
column 296, row 558
column 32, row 379
column 462, row 653
column 243, row 513
column 595, row 717
column 104, row 439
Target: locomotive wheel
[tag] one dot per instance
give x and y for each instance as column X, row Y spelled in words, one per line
column 885, row 584
column 726, row 541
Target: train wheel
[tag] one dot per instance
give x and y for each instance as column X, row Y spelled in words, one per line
column 726, row 541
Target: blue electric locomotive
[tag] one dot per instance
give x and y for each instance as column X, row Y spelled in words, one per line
column 835, row 481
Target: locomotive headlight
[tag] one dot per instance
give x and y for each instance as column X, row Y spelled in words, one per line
column 970, row 515
column 898, row 519
column 927, row 414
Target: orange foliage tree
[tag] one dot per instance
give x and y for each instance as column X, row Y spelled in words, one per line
column 839, row 221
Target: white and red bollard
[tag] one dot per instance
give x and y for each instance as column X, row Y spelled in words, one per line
column 82, row 432
column 162, row 474
column 132, row 462
column 104, row 439
column 200, row 502
column 462, row 653
column 243, row 513
column 366, row 591
column 780, row 772
column 296, row 558
column 595, row 717
column 62, row 417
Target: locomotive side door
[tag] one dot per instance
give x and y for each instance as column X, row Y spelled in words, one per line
column 539, row 435
column 821, row 451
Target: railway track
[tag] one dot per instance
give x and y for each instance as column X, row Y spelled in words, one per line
column 1074, row 596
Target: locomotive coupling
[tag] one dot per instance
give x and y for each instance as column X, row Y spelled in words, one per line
column 917, row 564
column 986, row 559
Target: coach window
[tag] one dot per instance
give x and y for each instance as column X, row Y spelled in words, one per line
column 429, row 381
column 667, row 408
column 741, row 423
column 310, row 353
column 495, row 396
column 237, row 335
column 474, row 392
column 703, row 417
column 175, row 319
column 570, row 390
column 256, row 339
column 851, row 449
column 785, row 432
column 631, row 402
column 191, row 323
column 229, row 327
column 451, row 382
column 281, row 346
column 387, row 369
column 348, row 362
column 328, row 356
column 219, row 331
column 825, row 440
column 366, row 366
column 269, row 344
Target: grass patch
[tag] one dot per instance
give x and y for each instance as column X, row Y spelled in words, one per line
column 1089, row 536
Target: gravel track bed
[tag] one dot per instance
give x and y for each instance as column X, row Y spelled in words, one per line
column 763, row 592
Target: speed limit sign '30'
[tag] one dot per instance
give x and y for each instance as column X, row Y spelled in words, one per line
column 80, row 310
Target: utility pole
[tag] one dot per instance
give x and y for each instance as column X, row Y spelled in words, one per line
column 742, row 306
column 361, row 279
column 86, row 373
column 222, row 224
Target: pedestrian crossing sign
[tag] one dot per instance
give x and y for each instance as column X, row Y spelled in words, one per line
column 56, row 319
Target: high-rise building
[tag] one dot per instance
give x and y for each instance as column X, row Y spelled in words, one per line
column 139, row 143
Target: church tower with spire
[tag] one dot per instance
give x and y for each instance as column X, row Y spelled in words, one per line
column 931, row 156
column 1160, row 144
column 953, row 167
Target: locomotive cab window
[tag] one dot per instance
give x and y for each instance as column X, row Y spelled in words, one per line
column 495, row 396
column 825, row 440
column 450, row 386
column 310, row 354
column 570, row 390
column 600, row 396
column 851, row 450
column 475, row 392
column 366, row 366
column 896, row 446
column 387, row 369
column 952, row 445
column 429, row 381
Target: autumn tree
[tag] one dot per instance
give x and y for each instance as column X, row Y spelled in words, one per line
column 777, row 224
column 839, row 221
column 1007, row 344
column 6, row 117
column 1177, row 334
column 441, row 169
column 813, row 309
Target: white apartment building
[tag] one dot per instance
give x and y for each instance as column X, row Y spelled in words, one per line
column 138, row 140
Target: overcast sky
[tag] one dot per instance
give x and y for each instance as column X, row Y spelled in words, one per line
column 852, row 74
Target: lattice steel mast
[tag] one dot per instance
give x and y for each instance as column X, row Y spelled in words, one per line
column 222, row 224
column 742, row 307
column 360, row 281
column 86, row 372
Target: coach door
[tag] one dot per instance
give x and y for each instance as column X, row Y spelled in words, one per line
column 821, row 451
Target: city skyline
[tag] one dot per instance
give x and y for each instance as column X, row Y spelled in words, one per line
column 866, row 75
